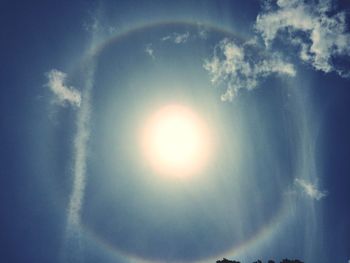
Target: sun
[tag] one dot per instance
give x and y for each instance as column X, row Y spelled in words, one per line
column 176, row 141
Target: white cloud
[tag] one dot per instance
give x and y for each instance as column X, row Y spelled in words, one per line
column 320, row 37
column 202, row 32
column 95, row 26
column 73, row 247
column 150, row 51
column 240, row 68
column 177, row 38
column 310, row 189
column 56, row 82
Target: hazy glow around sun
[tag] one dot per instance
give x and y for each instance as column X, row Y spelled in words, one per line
column 176, row 141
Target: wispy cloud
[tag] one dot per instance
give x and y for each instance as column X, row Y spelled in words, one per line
column 310, row 189
column 240, row 67
column 177, row 38
column 64, row 94
column 203, row 32
column 95, row 27
column 150, row 51
column 73, row 231
column 313, row 27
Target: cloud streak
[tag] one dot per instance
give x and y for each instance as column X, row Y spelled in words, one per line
column 177, row 38
column 64, row 94
column 73, row 246
column 241, row 67
column 310, row 189
column 320, row 38
column 150, row 51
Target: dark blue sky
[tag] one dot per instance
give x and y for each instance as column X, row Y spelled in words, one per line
column 276, row 96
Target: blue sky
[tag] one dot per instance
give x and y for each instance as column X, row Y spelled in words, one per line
column 269, row 78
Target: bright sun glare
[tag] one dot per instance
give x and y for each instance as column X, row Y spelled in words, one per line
column 176, row 141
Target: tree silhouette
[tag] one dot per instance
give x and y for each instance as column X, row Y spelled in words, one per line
column 225, row 260
column 291, row 261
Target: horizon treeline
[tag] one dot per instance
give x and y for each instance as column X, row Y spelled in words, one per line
column 225, row 260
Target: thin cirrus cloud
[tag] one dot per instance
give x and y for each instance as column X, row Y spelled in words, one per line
column 76, row 199
column 150, row 51
column 241, row 67
column 64, row 94
column 310, row 189
column 318, row 32
column 177, row 38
